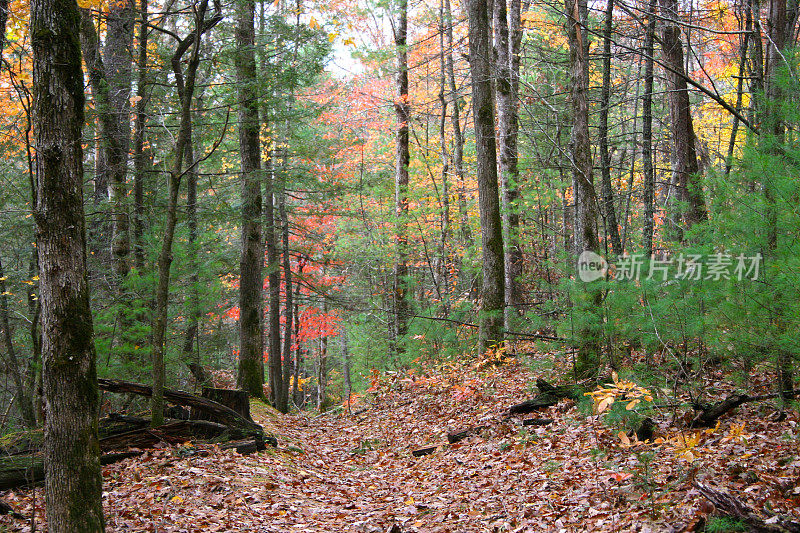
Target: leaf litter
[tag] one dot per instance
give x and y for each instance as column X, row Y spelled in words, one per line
column 354, row 472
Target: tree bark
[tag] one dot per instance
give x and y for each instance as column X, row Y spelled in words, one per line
column 73, row 488
column 402, row 158
column 647, row 135
column 140, row 157
column 609, row 211
column 274, row 279
column 250, row 375
column 505, row 37
column 585, row 199
column 685, row 168
column 490, row 331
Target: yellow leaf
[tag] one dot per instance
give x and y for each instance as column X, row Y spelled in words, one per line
column 332, row 36
column 313, row 24
column 604, row 404
column 176, row 499
column 614, row 377
column 632, row 404
column 410, row 500
column 624, row 438
column 35, row 278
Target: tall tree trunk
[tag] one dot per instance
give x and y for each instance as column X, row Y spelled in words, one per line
column 288, row 309
column 508, row 126
column 685, row 168
column 297, row 362
column 250, row 376
column 186, row 84
column 190, row 351
column 444, row 266
column 108, row 82
column 274, row 279
column 73, row 479
column 348, row 385
column 140, row 157
column 609, row 211
column 647, row 135
column 585, row 199
column 118, row 62
column 402, row 159
column 458, row 135
column 780, row 28
column 493, row 290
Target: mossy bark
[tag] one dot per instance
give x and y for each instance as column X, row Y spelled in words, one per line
column 73, row 489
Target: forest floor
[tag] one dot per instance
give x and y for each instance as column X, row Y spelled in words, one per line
column 355, row 472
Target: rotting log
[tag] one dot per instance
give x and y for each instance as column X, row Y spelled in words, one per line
column 424, row 451
column 221, row 413
column 732, row 506
column 235, row 399
column 548, row 396
column 708, row 414
column 20, row 471
column 456, row 436
column 537, row 421
column 245, row 447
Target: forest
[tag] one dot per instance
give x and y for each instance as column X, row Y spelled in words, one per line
column 399, row 266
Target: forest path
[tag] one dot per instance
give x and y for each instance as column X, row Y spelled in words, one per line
column 355, row 473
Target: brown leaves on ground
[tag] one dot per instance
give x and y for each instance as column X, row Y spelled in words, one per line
column 355, row 472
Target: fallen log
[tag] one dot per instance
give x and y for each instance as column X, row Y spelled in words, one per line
column 424, row 451
column 237, row 400
column 245, row 447
column 730, row 505
column 708, row 414
column 547, row 397
column 537, row 421
column 220, row 412
column 456, row 436
column 20, row 471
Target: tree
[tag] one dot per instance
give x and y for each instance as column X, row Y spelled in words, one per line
column 402, row 159
column 507, row 35
column 185, row 81
column 493, row 289
column 685, row 169
column 585, row 211
column 73, row 483
column 250, row 375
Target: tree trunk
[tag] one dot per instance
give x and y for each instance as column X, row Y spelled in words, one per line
column 140, row 157
column 685, row 169
column 402, row 158
column 250, row 376
column 508, row 123
column 458, row 136
column 647, row 135
column 585, row 199
column 109, row 78
column 118, row 62
column 73, row 487
column 493, row 290
column 609, row 211
column 444, row 266
column 274, row 279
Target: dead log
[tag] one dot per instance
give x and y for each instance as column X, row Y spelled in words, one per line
column 20, row 471
column 537, row 421
column 709, row 414
column 221, row 413
column 237, row 400
column 730, row 505
column 424, row 451
column 245, row 447
column 547, row 397
column 456, row 436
